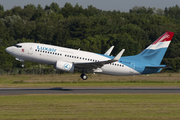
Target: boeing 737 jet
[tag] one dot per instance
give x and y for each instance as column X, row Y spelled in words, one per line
column 69, row 60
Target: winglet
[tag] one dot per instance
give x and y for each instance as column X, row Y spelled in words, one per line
column 109, row 51
column 119, row 55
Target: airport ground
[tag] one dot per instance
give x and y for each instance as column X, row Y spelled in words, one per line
column 74, row 80
column 90, row 106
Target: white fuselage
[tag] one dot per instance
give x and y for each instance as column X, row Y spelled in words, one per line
column 49, row 54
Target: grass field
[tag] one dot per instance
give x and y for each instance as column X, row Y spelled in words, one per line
column 99, row 107
column 90, row 106
column 74, row 80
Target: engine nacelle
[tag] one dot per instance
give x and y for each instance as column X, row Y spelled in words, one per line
column 65, row 66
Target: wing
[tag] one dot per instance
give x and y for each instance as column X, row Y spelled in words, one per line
column 89, row 66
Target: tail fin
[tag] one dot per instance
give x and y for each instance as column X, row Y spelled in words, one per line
column 155, row 52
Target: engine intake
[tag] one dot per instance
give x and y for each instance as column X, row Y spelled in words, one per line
column 65, row 66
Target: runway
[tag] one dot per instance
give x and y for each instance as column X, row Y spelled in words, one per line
column 130, row 90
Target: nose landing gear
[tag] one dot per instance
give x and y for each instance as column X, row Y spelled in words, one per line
column 84, row 76
column 21, row 60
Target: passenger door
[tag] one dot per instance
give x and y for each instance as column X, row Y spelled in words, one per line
column 30, row 50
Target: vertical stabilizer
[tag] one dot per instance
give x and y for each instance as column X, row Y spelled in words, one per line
column 154, row 53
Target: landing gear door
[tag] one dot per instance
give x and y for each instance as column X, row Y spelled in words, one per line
column 30, row 50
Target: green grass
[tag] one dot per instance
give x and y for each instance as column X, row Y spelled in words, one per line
column 89, row 106
column 99, row 107
column 73, row 80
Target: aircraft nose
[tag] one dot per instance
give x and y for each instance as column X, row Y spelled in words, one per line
column 9, row 49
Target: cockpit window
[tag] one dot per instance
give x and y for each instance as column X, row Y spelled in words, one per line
column 18, row 46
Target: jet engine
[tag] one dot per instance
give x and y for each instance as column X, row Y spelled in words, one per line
column 64, row 66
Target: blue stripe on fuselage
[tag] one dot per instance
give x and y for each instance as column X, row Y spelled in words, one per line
column 138, row 66
column 145, row 58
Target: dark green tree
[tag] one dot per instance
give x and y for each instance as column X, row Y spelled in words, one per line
column 55, row 7
column 1, row 8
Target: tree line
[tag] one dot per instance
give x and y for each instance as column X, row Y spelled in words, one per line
column 90, row 29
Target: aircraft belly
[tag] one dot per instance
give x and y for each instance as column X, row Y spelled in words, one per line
column 45, row 60
column 39, row 58
column 119, row 71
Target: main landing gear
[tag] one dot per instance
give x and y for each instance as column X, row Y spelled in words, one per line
column 84, row 76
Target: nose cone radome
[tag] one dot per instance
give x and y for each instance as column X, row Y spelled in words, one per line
column 9, row 49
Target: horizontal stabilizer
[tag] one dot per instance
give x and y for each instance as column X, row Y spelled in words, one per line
column 158, row 66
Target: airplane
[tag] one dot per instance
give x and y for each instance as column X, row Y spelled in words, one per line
column 69, row 60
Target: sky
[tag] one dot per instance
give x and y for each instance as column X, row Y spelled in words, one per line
column 122, row 5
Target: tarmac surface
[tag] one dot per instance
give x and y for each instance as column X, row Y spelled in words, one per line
column 127, row 90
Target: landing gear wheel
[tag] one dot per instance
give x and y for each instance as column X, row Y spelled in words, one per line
column 84, row 76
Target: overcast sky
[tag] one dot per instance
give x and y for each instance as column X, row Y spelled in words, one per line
column 122, row 5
